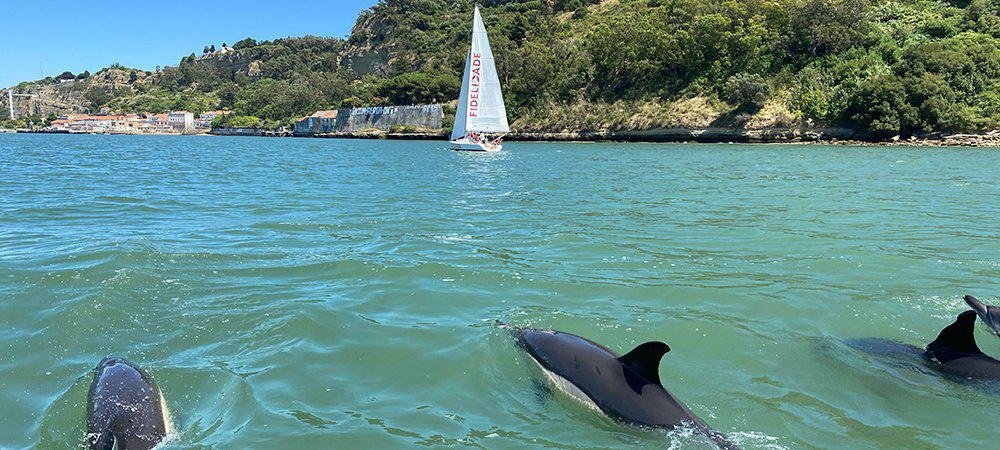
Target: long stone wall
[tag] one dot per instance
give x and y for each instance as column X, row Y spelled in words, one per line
column 385, row 118
column 237, row 131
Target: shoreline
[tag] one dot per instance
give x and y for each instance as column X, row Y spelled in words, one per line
column 72, row 133
column 826, row 136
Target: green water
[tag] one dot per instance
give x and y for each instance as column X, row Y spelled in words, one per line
column 342, row 294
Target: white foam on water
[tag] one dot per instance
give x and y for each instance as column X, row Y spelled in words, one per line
column 756, row 440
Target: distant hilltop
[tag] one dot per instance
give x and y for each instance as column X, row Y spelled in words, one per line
column 591, row 66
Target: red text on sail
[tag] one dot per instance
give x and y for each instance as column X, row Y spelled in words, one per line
column 474, row 82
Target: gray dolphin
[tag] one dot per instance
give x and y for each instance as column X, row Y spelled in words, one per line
column 954, row 351
column 990, row 314
column 626, row 388
column 125, row 409
column 955, row 348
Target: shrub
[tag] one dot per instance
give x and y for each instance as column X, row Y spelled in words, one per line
column 244, row 122
column 417, row 87
column 351, row 102
column 746, row 90
column 879, row 105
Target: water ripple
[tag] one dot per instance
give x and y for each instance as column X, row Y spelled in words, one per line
column 309, row 293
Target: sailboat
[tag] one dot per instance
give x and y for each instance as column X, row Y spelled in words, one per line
column 481, row 119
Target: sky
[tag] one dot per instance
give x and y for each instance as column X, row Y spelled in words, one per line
column 48, row 38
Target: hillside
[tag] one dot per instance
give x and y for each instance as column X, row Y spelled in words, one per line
column 891, row 67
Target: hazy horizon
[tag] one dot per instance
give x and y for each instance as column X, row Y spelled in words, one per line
column 70, row 37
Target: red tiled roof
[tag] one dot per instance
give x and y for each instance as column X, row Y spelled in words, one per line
column 326, row 114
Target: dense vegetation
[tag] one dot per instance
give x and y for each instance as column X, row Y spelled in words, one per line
column 885, row 66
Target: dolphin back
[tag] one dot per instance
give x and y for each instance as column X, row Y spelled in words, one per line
column 626, row 388
column 125, row 409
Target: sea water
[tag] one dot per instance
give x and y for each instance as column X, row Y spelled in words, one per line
column 298, row 293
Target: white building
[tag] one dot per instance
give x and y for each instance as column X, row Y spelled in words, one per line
column 181, row 119
column 205, row 119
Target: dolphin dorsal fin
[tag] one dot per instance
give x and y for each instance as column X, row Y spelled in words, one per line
column 644, row 360
column 958, row 337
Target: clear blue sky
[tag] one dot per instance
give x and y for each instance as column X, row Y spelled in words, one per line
column 92, row 34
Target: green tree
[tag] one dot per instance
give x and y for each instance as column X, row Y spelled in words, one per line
column 418, row 88
column 98, row 97
column 748, row 91
column 245, row 43
column 829, row 26
column 902, row 66
column 880, row 105
column 244, row 122
column 351, row 102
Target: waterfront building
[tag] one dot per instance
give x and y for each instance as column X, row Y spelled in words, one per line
column 127, row 124
column 155, row 123
column 205, row 119
column 100, row 123
column 318, row 122
column 182, row 120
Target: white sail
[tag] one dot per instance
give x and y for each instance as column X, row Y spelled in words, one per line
column 480, row 104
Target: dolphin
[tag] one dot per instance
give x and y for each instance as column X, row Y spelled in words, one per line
column 954, row 352
column 990, row 314
column 955, row 349
column 625, row 388
column 125, row 409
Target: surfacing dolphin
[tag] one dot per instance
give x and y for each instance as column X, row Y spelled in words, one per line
column 626, row 388
column 125, row 409
column 955, row 348
column 954, row 351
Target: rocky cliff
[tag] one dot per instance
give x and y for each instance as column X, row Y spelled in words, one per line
column 50, row 97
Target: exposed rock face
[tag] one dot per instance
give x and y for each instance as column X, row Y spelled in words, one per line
column 58, row 99
column 701, row 134
column 74, row 96
column 366, row 52
column 991, row 139
column 254, row 69
column 831, row 135
column 233, row 61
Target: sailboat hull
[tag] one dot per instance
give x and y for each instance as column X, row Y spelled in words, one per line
column 466, row 146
